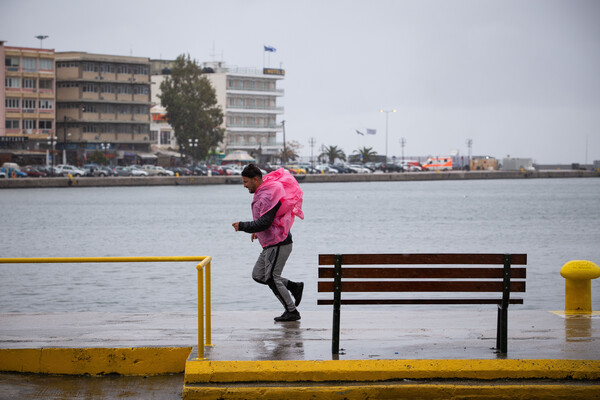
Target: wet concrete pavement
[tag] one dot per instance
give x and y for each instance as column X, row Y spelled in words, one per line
column 399, row 334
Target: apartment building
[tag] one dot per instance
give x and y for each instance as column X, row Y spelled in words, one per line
column 27, row 99
column 248, row 98
column 103, row 104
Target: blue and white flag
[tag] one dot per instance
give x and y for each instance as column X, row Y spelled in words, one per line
column 270, row 48
column 371, row 131
column 359, row 132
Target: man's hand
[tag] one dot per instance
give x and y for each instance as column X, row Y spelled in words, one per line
column 253, row 236
column 236, row 226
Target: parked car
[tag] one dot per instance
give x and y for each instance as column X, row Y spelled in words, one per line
column 13, row 173
column 359, row 169
column 95, row 170
column 66, row 170
column 109, row 171
column 201, row 170
column 130, row 171
column 156, row 170
column 33, row 172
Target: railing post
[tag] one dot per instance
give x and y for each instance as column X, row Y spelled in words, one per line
column 208, row 308
column 200, row 269
column 337, row 299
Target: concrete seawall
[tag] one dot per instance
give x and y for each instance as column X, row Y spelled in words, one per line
column 223, row 180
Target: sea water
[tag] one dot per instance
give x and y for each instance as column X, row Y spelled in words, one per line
column 552, row 220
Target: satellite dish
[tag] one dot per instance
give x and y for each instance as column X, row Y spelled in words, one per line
column 453, row 153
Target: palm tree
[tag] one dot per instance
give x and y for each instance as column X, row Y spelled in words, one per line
column 332, row 152
column 366, row 153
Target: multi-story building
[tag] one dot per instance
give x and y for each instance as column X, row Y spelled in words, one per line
column 103, row 104
column 248, row 98
column 250, row 106
column 27, row 100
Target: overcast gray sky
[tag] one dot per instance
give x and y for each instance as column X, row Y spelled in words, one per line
column 516, row 77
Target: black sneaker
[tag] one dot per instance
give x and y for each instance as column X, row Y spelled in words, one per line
column 297, row 293
column 288, row 316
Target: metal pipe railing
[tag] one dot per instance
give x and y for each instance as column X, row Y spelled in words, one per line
column 204, row 292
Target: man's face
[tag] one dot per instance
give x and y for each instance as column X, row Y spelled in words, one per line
column 250, row 183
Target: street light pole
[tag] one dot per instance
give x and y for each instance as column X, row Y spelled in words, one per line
column 41, row 38
column 387, row 112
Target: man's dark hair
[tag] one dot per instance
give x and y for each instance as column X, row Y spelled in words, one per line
column 251, row 171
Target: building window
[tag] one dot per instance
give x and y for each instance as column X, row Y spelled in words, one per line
column 90, row 87
column 12, row 124
column 11, row 103
column 12, row 82
column 11, row 61
column 46, row 84
column 108, row 88
column 107, row 68
column 90, row 128
column 123, row 69
column 28, row 104
column 124, row 110
column 46, row 64
column 45, row 124
column 29, row 64
column 89, row 108
column 107, row 108
column 29, row 124
column 90, row 67
column 165, row 137
column 46, row 104
column 124, row 89
column 28, row 83
column 140, row 90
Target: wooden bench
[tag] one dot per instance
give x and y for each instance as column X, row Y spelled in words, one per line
column 375, row 276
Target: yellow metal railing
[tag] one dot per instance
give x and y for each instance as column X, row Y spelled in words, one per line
column 204, row 313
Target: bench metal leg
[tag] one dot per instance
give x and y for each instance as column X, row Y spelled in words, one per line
column 502, row 330
column 337, row 299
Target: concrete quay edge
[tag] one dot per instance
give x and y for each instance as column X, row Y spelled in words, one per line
column 20, row 183
column 384, row 370
column 402, row 390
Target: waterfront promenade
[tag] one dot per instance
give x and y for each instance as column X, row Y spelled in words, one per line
column 443, row 352
column 220, row 180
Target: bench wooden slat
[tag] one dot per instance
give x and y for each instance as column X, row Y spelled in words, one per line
column 449, row 258
column 418, row 301
column 420, row 272
column 421, row 286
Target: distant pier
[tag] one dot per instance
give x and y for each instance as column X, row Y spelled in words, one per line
column 315, row 178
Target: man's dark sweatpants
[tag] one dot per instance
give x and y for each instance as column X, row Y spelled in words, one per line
column 268, row 269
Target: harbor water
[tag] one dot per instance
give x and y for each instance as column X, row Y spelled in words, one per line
column 552, row 220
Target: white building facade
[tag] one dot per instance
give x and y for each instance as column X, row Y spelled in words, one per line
column 248, row 98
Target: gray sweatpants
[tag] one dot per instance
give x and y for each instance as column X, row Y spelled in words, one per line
column 268, row 269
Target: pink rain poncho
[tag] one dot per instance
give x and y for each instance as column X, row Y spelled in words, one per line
column 278, row 185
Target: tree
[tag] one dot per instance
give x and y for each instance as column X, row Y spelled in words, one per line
column 98, row 158
column 291, row 151
column 192, row 110
column 332, row 152
column 366, row 153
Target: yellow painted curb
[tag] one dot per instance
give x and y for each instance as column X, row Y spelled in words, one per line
column 96, row 361
column 381, row 370
column 400, row 391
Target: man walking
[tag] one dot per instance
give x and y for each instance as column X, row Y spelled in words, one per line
column 277, row 200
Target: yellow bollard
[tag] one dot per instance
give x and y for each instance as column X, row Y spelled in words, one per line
column 578, row 276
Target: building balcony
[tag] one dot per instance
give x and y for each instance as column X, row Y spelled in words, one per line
column 255, row 109
column 255, row 91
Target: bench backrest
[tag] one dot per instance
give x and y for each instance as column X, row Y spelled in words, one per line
column 376, row 277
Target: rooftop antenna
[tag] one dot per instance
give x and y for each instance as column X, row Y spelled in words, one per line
column 213, row 53
column 41, row 38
